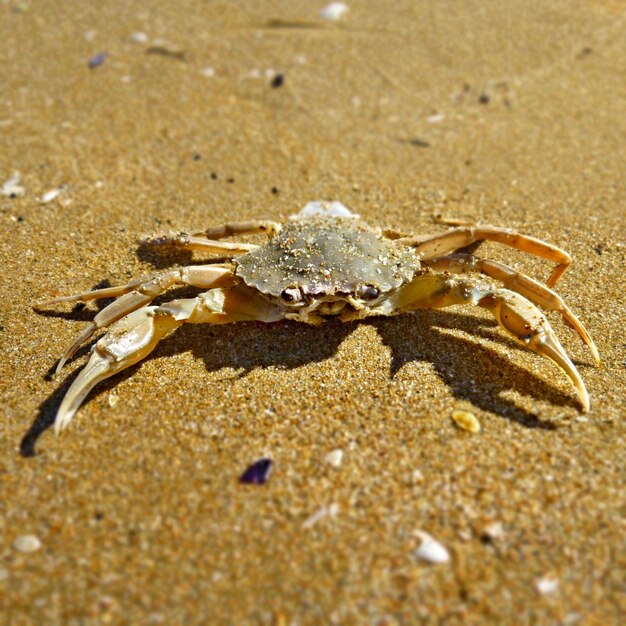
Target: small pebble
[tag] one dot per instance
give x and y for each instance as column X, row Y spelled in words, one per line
column 113, row 399
column 430, row 549
column 27, row 544
column 334, row 458
column 278, row 81
column 97, row 60
column 209, row 72
column 547, row 585
column 257, row 473
column 164, row 49
column 333, row 11
column 466, row 421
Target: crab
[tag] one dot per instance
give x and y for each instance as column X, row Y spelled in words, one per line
column 324, row 262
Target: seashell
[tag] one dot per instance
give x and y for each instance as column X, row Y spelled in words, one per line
column 430, row 549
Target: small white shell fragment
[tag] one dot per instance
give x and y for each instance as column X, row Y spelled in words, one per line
column 139, row 37
column 324, row 209
column 333, row 11
column 12, row 188
column 334, row 458
column 417, row 477
column 435, row 118
column 466, row 421
column 325, row 511
column 547, row 585
column 113, row 399
column 49, row 196
column 430, row 549
column 493, row 531
column 27, row 543
column 209, row 72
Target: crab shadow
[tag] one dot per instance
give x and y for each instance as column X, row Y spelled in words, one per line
column 470, row 370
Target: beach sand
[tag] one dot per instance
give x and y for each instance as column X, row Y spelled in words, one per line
column 511, row 113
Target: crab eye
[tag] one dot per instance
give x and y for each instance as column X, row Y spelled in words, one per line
column 367, row 292
column 291, row 294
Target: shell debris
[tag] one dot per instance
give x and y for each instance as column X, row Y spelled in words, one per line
column 12, row 188
column 27, row 543
column 326, row 511
column 113, row 399
column 334, row 11
column 430, row 549
column 324, row 209
column 466, row 421
column 257, row 473
column 51, row 195
column 334, row 458
column 547, row 585
column 139, row 37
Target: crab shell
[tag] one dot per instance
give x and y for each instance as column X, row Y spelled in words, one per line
column 321, row 257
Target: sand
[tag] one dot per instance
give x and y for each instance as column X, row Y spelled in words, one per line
column 506, row 112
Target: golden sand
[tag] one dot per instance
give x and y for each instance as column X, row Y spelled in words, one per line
column 507, row 112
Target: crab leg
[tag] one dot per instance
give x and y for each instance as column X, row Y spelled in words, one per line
column 133, row 337
column 515, row 314
column 249, row 227
column 201, row 243
column 535, row 291
column 140, row 293
column 442, row 244
column 207, row 240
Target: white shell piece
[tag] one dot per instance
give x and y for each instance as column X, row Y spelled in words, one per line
column 12, row 188
column 139, row 37
column 430, row 549
column 321, row 513
column 334, row 458
column 435, row 118
column 333, row 11
column 325, row 209
column 547, row 585
column 27, row 543
column 49, row 196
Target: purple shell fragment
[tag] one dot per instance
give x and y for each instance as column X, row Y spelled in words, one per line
column 257, row 473
column 97, row 60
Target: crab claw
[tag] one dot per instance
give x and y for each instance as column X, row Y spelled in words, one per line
column 530, row 327
column 128, row 341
